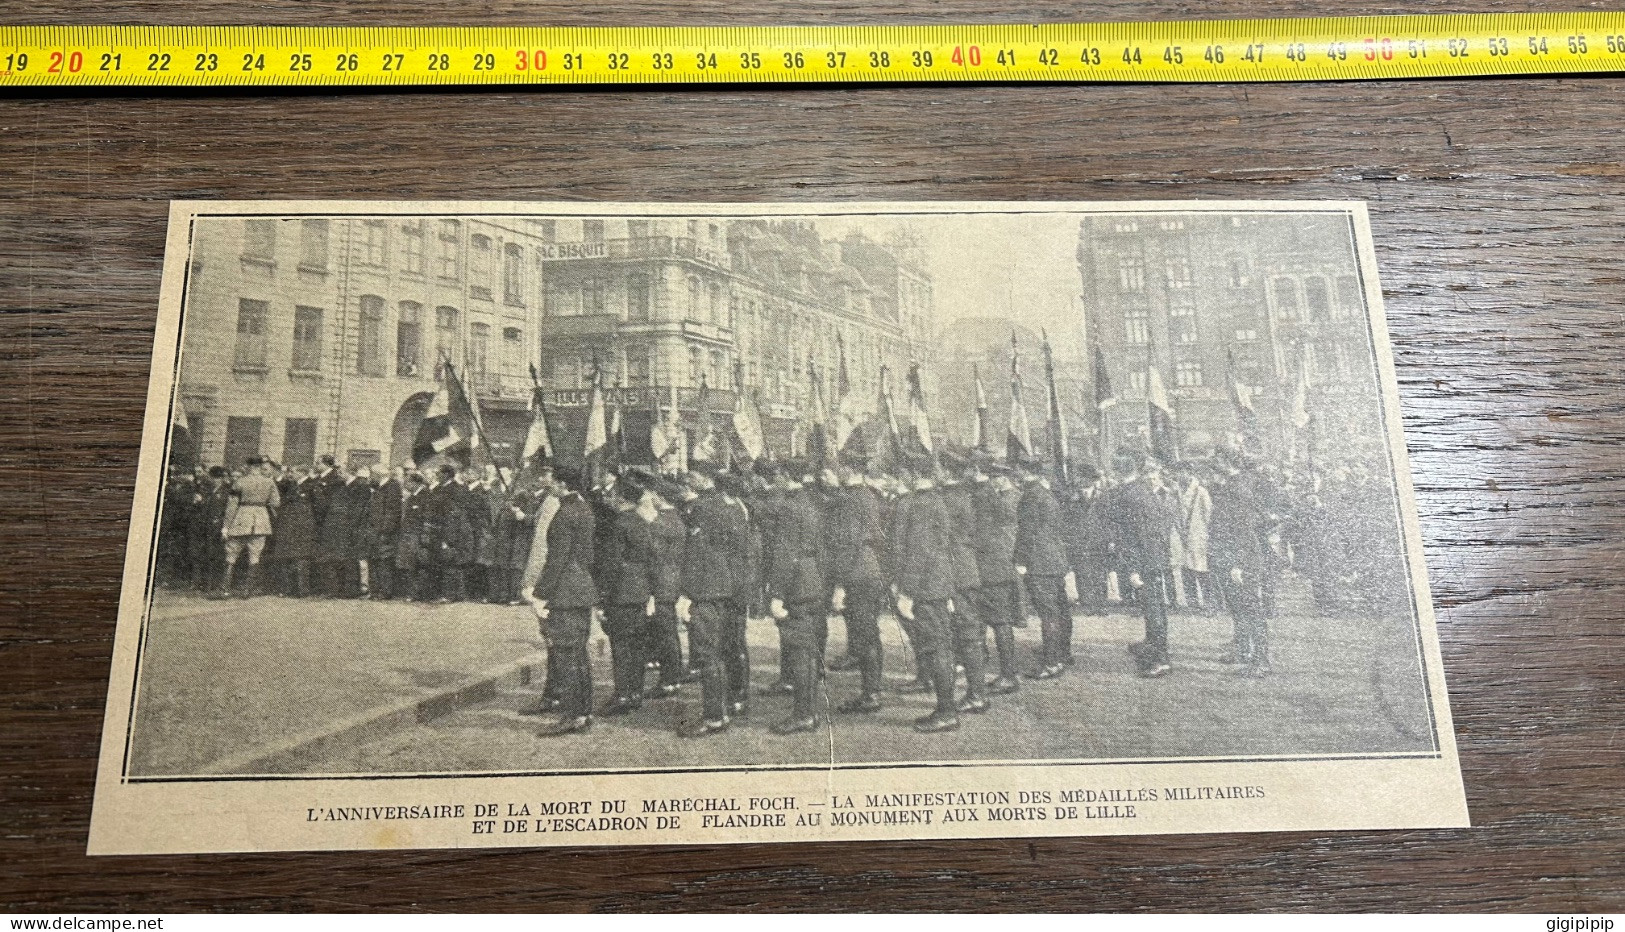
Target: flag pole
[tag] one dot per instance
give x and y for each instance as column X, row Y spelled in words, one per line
column 479, row 429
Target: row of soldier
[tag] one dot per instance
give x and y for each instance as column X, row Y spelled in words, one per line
column 951, row 553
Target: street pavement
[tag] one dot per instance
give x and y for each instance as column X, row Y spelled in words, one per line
column 225, row 680
column 1339, row 686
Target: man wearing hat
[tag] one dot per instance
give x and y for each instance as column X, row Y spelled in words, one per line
column 996, row 501
column 970, row 645
column 563, row 600
column 247, row 524
column 1236, row 558
column 1144, row 520
column 663, row 643
column 798, row 599
column 1041, row 562
column 628, row 579
column 856, row 539
column 746, row 545
column 708, row 585
column 925, row 584
column 451, row 539
column 1088, row 538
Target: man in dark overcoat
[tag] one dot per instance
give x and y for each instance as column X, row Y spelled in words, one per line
column 564, row 598
column 1041, row 562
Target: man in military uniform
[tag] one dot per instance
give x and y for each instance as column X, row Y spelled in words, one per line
column 798, row 599
column 925, row 584
column 1236, row 558
column 1088, row 538
column 662, row 637
column 628, row 564
column 1143, row 517
column 247, row 525
column 969, row 641
column 856, row 540
column 1041, row 562
column 563, row 600
column 996, row 501
column 708, row 584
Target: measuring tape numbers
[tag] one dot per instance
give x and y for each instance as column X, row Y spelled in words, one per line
column 1319, row 49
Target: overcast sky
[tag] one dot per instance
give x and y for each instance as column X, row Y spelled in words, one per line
column 1021, row 266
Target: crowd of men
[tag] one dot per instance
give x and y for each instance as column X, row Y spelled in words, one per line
column 954, row 548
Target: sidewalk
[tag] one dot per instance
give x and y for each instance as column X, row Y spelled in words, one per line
column 225, row 684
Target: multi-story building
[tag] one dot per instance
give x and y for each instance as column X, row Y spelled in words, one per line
column 330, row 335
column 1280, row 294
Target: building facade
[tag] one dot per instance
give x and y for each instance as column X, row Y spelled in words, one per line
column 1278, row 294
column 309, row 336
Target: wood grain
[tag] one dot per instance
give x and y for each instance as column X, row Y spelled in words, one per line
column 1500, row 226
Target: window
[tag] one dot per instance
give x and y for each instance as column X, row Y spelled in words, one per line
column 637, row 229
column 369, row 351
column 412, row 246
column 549, row 229
column 637, row 297
column 373, row 242
column 513, row 273
column 299, row 441
column 1182, row 323
column 1188, row 374
column 1237, row 268
column 1136, row 380
column 446, row 333
column 479, row 351
column 313, row 245
column 307, row 339
column 242, row 440
column 1340, row 358
column 1350, row 300
column 251, row 320
column 1179, row 270
column 718, row 368
column 1246, row 334
column 715, row 306
column 1285, row 292
column 479, row 267
column 447, row 263
column 637, row 365
column 1137, row 325
column 408, row 338
column 592, row 231
column 513, row 351
column 1131, row 273
column 1126, row 225
column 259, row 240
column 696, row 297
column 592, row 297
column 696, row 365
column 1317, row 301
column 1172, row 224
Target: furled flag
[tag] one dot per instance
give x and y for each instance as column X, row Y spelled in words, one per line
column 978, row 427
column 882, row 435
column 448, row 429
column 1241, row 394
column 1019, row 442
column 706, row 448
column 747, row 421
column 816, row 415
column 846, row 404
column 668, row 440
column 1059, row 458
column 596, row 443
column 1105, row 397
column 1160, row 412
column 538, row 446
column 917, row 415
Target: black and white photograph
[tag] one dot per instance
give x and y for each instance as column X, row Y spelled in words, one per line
column 1019, row 509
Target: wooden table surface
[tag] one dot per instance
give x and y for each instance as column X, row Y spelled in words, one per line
column 1498, row 208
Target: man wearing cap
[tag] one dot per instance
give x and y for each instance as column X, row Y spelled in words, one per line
column 563, row 600
column 925, row 584
column 708, row 582
column 1236, row 557
column 996, row 501
column 746, row 545
column 627, row 577
column 970, row 645
column 1041, row 562
column 247, row 524
column 856, row 542
column 798, row 599
column 1088, row 538
column 662, row 637
column 1140, row 512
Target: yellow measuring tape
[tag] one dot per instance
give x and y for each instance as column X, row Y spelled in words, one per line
column 1321, row 49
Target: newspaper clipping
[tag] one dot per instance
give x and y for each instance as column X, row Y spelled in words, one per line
column 498, row 524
